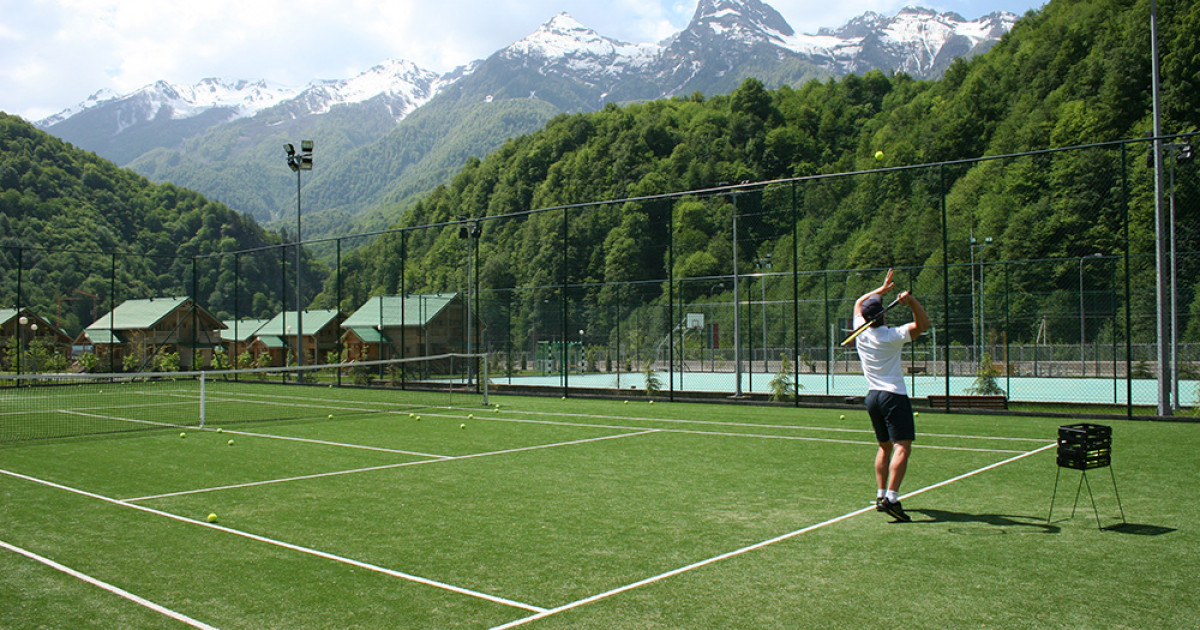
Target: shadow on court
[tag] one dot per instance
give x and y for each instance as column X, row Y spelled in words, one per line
column 985, row 524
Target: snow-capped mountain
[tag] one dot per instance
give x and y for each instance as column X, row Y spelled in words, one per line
column 400, row 85
column 916, row 41
column 396, row 130
column 406, row 85
column 723, row 37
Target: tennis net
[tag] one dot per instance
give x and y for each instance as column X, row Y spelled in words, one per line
column 42, row 406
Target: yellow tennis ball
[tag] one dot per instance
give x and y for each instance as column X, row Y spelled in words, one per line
column 462, row 426
column 212, row 518
column 916, row 413
column 182, row 435
column 842, row 417
column 879, row 155
column 331, row 416
column 651, row 402
column 230, row 442
column 470, row 416
column 220, row 430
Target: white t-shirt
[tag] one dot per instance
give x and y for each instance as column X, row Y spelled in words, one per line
column 879, row 352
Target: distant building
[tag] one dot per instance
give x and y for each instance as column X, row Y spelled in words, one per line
column 277, row 337
column 238, row 334
column 18, row 336
column 147, row 328
column 393, row 326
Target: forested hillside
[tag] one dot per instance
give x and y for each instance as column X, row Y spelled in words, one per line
column 1075, row 73
column 64, row 213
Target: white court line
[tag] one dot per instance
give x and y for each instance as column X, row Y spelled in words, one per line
column 798, row 438
column 108, row 587
column 737, row 552
column 328, row 443
column 335, row 473
column 770, row 426
column 285, row 545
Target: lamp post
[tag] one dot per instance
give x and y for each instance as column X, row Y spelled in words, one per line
column 22, row 322
column 1180, row 153
column 299, row 161
column 1083, row 317
column 737, row 318
column 33, row 337
column 764, row 264
column 976, row 245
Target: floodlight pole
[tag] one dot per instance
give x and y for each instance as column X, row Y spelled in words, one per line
column 301, row 161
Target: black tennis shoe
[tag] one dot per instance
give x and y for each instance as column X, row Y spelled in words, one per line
column 895, row 511
column 879, row 505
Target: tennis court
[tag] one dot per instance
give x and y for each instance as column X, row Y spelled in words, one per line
column 371, row 510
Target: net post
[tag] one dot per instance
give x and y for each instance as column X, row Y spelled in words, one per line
column 484, row 381
column 202, row 397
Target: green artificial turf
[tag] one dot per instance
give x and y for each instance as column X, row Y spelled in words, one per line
column 597, row 514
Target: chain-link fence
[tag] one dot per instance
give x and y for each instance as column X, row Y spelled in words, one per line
column 1038, row 270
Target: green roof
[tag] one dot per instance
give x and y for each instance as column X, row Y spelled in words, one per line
column 313, row 322
column 272, row 341
column 245, row 328
column 141, row 314
column 368, row 334
column 102, row 336
column 386, row 310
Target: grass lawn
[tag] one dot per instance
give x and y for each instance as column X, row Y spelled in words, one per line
column 549, row 513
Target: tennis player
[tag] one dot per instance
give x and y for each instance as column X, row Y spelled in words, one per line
column 879, row 350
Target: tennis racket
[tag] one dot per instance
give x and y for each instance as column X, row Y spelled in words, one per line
column 867, row 324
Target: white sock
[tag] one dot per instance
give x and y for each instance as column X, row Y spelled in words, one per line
column 893, row 496
column 879, row 494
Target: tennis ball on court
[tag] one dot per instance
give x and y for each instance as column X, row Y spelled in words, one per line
column 212, row 518
column 842, row 417
column 230, row 442
column 916, row 413
column 182, row 435
column 220, row 430
column 462, row 426
column 412, row 415
column 651, row 402
column 331, row 416
column 470, row 416
column 879, row 155
column 626, row 402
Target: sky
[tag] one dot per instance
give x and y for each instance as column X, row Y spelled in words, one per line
column 54, row 54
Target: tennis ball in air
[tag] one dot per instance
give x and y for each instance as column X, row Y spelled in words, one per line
column 212, row 518
column 916, row 413
column 879, row 155
column 626, row 402
column 651, row 402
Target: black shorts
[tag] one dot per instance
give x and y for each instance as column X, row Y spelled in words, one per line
column 891, row 416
